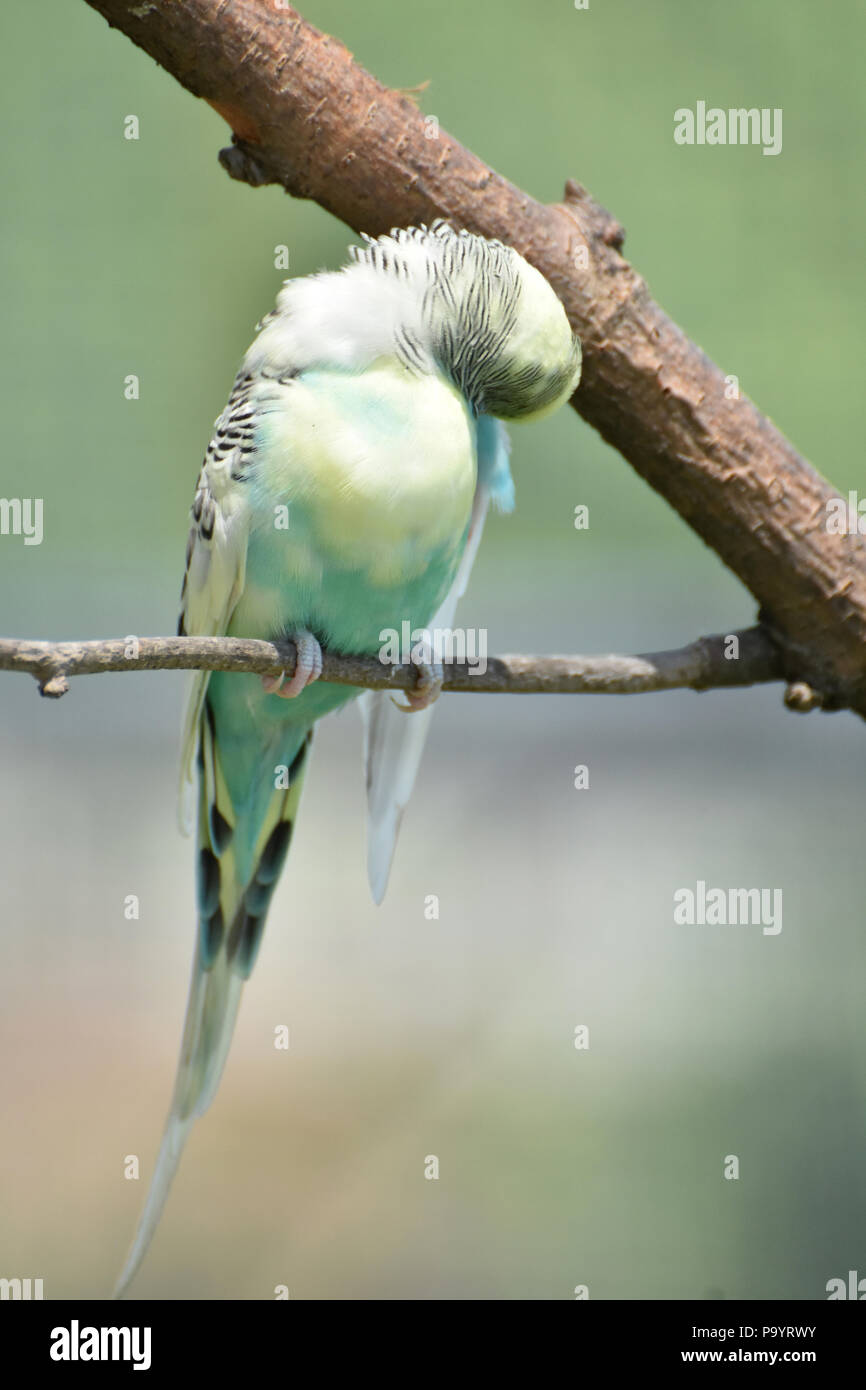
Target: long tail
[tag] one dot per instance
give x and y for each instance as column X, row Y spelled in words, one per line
column 240, row 857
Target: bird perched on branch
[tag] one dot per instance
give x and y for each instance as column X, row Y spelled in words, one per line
column 343, row 494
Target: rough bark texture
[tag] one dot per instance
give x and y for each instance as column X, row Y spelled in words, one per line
column 306, row 116
column 707, row 663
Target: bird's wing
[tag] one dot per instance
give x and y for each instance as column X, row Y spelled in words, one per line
column 216, row 556
column 393, row 740
column 239, row 856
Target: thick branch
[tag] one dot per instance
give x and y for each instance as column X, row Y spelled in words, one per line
column 710, row 662
column 304, row 115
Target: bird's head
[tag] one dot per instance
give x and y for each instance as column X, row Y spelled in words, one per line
column 489, row 320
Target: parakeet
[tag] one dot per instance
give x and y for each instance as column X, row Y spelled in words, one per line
column 343, row 493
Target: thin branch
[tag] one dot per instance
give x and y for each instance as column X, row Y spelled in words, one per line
column 748, row 657
column 306, row 116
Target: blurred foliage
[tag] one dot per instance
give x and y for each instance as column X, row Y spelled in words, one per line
column 142, row 256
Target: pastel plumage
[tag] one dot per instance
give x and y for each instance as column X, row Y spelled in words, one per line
column 365, row 408
column 393, row 746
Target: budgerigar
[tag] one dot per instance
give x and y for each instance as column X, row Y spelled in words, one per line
column 343, row 493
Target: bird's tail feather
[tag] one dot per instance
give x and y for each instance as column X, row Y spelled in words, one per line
column 240, row 857
column 393, row 744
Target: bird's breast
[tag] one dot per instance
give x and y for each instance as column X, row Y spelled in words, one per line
column 377, row 468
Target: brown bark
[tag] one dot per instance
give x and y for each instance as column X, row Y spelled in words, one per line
column 705, row 664
column 306, row 116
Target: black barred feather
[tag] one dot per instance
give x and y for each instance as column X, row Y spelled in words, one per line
column 231, row 922
column 444, row 303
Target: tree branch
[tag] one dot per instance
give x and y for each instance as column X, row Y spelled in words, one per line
column 705, row 664
column 306, row 116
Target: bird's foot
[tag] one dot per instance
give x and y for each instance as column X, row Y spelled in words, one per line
column 428, row 686
column 308, row 668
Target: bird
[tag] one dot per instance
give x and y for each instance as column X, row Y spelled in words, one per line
column 343, row 493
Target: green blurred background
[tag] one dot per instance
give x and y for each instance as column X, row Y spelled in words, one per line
column 454, row 1037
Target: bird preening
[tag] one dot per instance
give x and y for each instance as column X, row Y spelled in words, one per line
column 367, row 411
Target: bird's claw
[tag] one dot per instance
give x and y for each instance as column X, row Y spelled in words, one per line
column 428, row 687
column 308, row 668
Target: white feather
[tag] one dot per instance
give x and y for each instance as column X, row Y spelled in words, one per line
column 394, row 741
